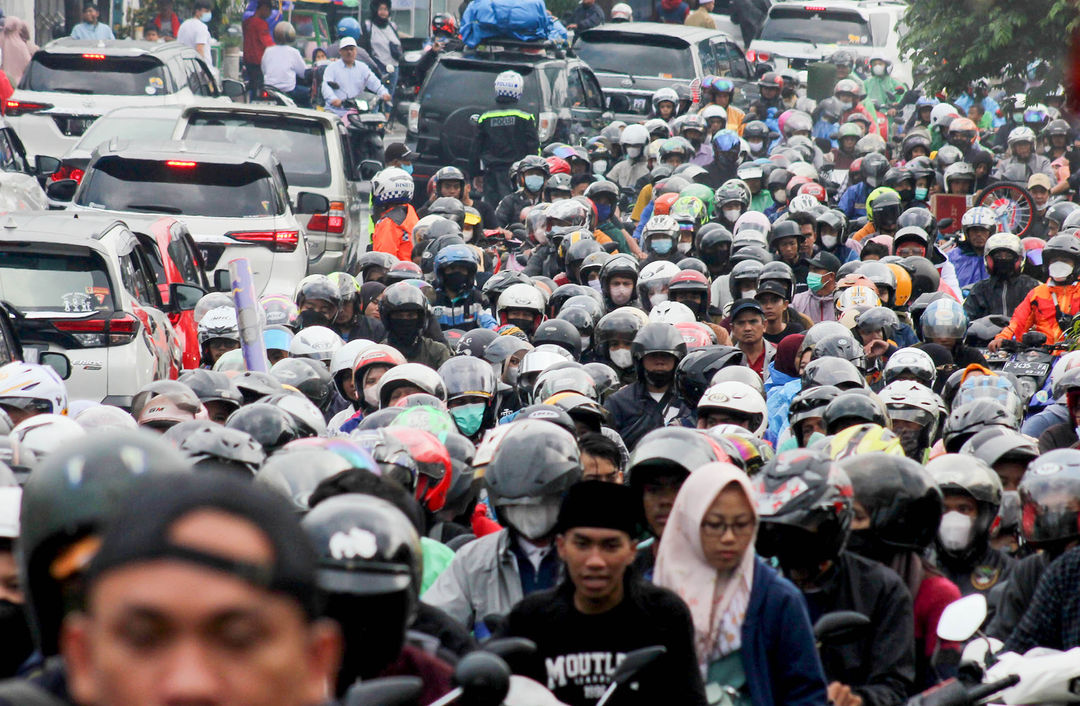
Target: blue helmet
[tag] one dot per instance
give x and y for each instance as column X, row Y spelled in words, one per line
column 726, row 141
column 348, row 27
column 454, row 254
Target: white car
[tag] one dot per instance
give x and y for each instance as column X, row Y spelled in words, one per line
column 19, row 187
column 796, row 34
column 70, row 83
column 234, row 201
column 82, row 285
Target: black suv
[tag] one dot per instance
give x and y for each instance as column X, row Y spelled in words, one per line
column 560, row 90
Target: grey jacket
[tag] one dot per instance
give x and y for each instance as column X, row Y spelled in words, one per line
column 481, row 580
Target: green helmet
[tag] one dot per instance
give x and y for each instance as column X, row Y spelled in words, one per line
column 849, row 130
column 702, row 192
column 690, row 209
column 891, row 198
column 70, row 496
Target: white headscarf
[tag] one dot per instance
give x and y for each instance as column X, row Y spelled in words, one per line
column 718, row 600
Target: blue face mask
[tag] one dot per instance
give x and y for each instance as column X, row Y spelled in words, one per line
column 661, row 246
column 603, row 211
column 534, row 183
column 468, row 417
column 407, row 168
column 921, row 193
column 206, row 17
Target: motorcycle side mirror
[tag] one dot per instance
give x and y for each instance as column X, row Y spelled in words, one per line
column 841, row 626
column 483, row 679
column 944, row 223
column 1033, row 339
column 369, row 168
column 962, row 618
column 388, row 691
column 510, row 647
column 222, row 281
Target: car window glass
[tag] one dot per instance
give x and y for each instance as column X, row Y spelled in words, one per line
column 135, row 128
column 10, row 159
column 556, row 78
column 576, row 90
column 94, row 74
column 132, row 277
column 7, row 353
column 815, row 25
column 709, row 64
column 730, row 60
column 594, row 96
column 181, row 255
column 69, row 281
column 198, row 80
column 635, row 54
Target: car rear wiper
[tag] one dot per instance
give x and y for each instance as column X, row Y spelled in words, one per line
column 156, row 208
column 85, row 91
column 615, row 71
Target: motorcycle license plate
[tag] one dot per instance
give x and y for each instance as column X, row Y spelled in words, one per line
column 1023, row 367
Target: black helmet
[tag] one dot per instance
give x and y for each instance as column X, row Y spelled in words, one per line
column 469, row 377
column 560, row 333
column 70, row 495
column 744, row 271
column 874, row 167
column 842, row 347
column 924, row 276
column 1050, row 498
column 150, row 390
column 294, row 473
column 213, row 386
column 779, row 272
column 269, row 425
column 832, row 371
column 669, row 450
column 309, row 419
column 568, row 376
column 255, row 385
column 217, row 448
column 310, row 377
column 902, row 501
column 621, row 325
column 657, row 338
column 1059, row 211
column 919, row 218
column 805, row 528
column 581, row 319
column 448, row 207
column 781, row 230
column 318, row 287
column 462, row 489
column 619, row 267
column 695, row 371
column 473, row 343
column 605, row 379
column 371, row 260
column 562, row 294
column 997, row 444
column 850, row 409
column 968, row 419
column 547, row 413
column 957, row 473
column 810, row 404
column 500, row 281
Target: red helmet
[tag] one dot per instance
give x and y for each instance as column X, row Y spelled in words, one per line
column 816, row 190
column 432, row 459
column 558, row 165
column 696, row 334
column 407, row 266
column 794, row 182
column 855, row 170
column 662, row 205
column 689, row 280
column 443, row 22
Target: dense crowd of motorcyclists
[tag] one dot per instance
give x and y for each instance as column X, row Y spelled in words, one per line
column 694, row 383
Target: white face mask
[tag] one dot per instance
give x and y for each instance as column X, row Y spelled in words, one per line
column 533, row 521
column 846, row 105
column 512, row 375
column 732, row 214
column 1060, row 271
column 755, row 146
column 467, row 235
column 828, row 241
column 955, row 531
column 878, row 70
column 780, row 196
column 371, row 396
column 599, row 166
column 621, row 295
column 658, row 298
column 684, row 247
column 595, row 284
column 621, row 358
column 633, row 152
column 749, row 293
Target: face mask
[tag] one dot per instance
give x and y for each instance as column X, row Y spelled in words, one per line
column 909, row 440
column 585, row 341
column 659, row 378
column 469, row 417
column 846, row 105
column 407, row 168
column 1060, row 271
column 603, row 212
column 1003, row 266
column 533, row 521
column 828, row 242
column 310, row 317
column 595, row 284
column 749, row 293
column 512, row 374
column 865, row 543
column 755, row 146
column 404, row 331
column 660, row 246
column 878, row 70
column 534, row 183
column 635, row 152
column 456, row 281
column 659, row 298
column 1010, row 512
column 695, row 142
column 206, row 16
column 621, row 358
column 621, row 295
column 371, row 396
column 815, row 282
column 732, row 214
column 599, row 166
column 467, row 235
column 921, row 193
column 1018, row 117
column 780, row 196
column 684, row 247
column 955, row 532
column 18, row 643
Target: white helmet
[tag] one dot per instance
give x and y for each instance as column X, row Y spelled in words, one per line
column 391, row 185
column 521, row 296
column 1004, row 241
column 713, row 111
column 1066, row 363
column 209, row 302
column 10, row 501
column 45, row 433
column 1021, row 134
column 671, row 313
column 752, row 220
column 345, row 356
column 911, row 361
column 912, row 402
column 509, row 84
column 979, row 217
column 803, row 203
column 317, row 343
column 738, row 373
column 634, row 136
column 105, row 416
column 415, row 374
column 231, row 361
column 33, row 387
column 622, row 11
column 741, row 400
column 664, row 94
column 941, row 114
column 653, row 279
column 219, row 323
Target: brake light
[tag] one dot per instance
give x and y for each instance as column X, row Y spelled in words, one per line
column 762, row 56
column 751, row 55
column 279, row 240
column 93, row 56
column 96, row 332
column 332, row 221
column 181, row 165
column 814, row 8
column 16, row 108
column 67, row 172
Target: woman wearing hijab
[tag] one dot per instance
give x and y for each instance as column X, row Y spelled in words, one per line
column 782, row 384
column 752, row 634
column 367, row 324
column 16, row 49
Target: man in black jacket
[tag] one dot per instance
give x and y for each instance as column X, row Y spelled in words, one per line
column 503, row 136
column 1003, row 291
column 584, row 627
column 585, row 16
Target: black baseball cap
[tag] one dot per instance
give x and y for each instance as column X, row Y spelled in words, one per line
column 825, row 261
column 771, row 287
column 398, row 150
column 140, row 533
column 741, row 305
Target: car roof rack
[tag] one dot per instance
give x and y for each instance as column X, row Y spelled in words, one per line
column 494, row 47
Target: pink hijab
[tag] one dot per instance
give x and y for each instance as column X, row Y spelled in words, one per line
column 16, row 48
column 717, row 600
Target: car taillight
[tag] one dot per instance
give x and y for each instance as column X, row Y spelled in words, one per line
column 67, row 172
column 546, row 125
column 332, row 221
column 762, row 56
column 278, row 240
column 14, row 108
column 414, row 117
column 94, row 333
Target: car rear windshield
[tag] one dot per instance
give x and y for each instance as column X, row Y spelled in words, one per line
column 455, row 82
column 637, row 54
column 300, row 145
column 180, row 187
column 71, row 281
column 816, row 25
column 96, row 74
column 138, row 129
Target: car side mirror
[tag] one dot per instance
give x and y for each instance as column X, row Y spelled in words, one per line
column 307, row 202
column 57, row 361
column 184, row 297
column 369, row 168
column 761, row 68
column 45, row 165
column 222, row 281
column 232, row 88
column 62, row 190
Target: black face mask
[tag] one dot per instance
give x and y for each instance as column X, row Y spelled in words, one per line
column 404, row 331
column 374, row 632
column 659, row 378
column 865, row 543
column 909, row 440
column 457, row 281
column 1004, row 266
column 18, row 642
column 310, row 317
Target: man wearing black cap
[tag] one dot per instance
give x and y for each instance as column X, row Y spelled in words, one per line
column 584, row 627
column 748, row 335
column 817, row 302
column 203, row 591
column 398, row 155
column 773, row 298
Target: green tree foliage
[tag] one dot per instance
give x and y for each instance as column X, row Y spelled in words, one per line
column 960, row 41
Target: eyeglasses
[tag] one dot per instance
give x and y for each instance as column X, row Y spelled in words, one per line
column 743, row 528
